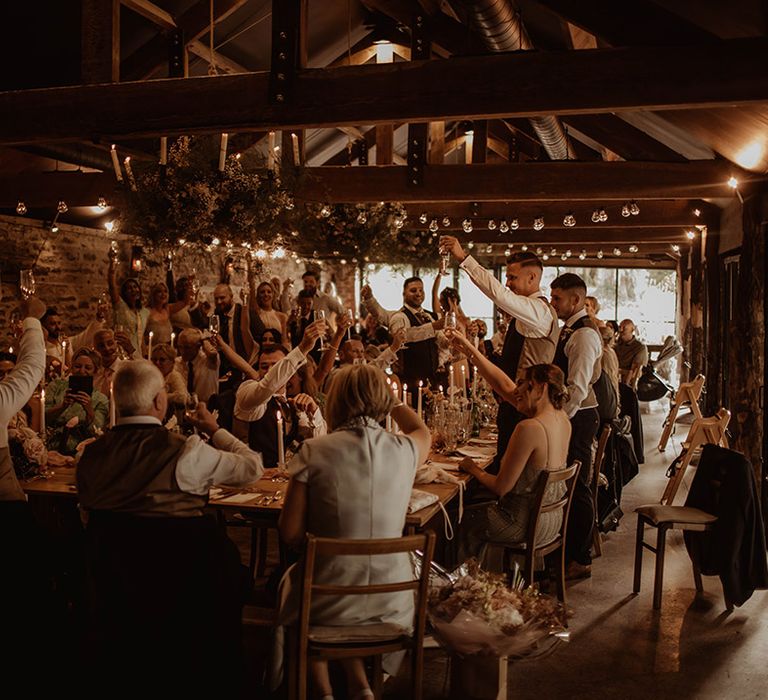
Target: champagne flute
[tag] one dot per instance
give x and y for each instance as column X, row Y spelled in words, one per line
column 450, row 321
column 121, row 353
column 27, row 283
column 445, row 261
column 320, row 314
column 214, row 324
column 351, row 317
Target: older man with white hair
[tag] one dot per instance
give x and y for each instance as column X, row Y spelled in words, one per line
column 140, row 468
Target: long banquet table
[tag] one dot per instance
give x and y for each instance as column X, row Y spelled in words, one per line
column 265, row 497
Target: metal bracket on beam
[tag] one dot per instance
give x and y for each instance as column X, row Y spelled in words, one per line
column 421, row 47
column 176, row 57
column 417, row 153
column 285, row 50
column 362, row 152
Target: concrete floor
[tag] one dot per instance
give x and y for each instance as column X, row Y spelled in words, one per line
column 620, row 647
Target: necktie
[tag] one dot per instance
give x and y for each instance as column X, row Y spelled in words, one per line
column 190, row 377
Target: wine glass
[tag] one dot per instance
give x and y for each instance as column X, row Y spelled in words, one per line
column 214, row 324
column 351, row 316
column 450, row 321
column 27, row 283
column 121, row 353
column 320, row 315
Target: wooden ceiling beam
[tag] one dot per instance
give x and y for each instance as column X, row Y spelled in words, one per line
column 199, row 49
column 148, row 10
column 457, row 88
column 562, row 181
column 194, row 22
column 100, row 41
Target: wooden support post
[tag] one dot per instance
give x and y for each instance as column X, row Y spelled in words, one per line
column 480, row 141
column 715, row 333
column 178, row 58
column 437, row 142
column 100, row 41
column 385, row 135
column 417, row 154
column 697, row 308
column 289, row 47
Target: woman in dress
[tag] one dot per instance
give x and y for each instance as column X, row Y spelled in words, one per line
column 129, row 316
column 63, row 405
column 266, row 317
column 355, row 483
column 540, row 442
column 160, row 312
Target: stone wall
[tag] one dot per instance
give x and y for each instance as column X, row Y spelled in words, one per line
column 70, row 268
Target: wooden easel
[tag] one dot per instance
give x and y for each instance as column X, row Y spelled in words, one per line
column 687, row 394
column 703, row 431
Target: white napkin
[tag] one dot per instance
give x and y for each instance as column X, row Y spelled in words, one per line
column 476, row 452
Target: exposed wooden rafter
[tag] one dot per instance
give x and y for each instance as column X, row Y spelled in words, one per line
column 463, row 88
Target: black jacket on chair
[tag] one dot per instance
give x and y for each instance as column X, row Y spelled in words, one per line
column 724, row 485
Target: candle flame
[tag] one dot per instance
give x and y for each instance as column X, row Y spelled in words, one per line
column 279, row 416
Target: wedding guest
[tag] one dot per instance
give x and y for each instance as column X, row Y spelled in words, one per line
column 354, row 483
column 259, row 399
column 301, row 317
column 73, row 414
column 538, row 443
column 592, row 305
column 607, row 386
column 632, row 353
column 198, row 364
column 15, row 390
column 269, row 338
column 320, row 300
column 130, row 316
column 578, row 353
column 533, row 330
column 263, row 314
column 105, row 345
column 164, row 358
column 234, row 328
column 161, row 312
column 56, row 342
column 373, row 332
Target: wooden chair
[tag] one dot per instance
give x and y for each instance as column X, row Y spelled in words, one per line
column 528, row 548
column 665, row 518
column 380, row 638
column 687, row 394
column 602, row 444
column 703, row 430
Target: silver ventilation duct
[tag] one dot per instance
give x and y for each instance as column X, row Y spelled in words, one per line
column 499, row 24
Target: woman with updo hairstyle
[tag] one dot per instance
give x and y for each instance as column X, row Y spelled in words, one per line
column 539, row 442
column 355, row 483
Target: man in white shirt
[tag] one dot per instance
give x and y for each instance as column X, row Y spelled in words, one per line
column 320, row 300
column 55, row 340
column 198, row 364
column 532, row 333
column 259, row 401
column 141, row 468
column 419, row 358
column 105, row 344
column 578, row 354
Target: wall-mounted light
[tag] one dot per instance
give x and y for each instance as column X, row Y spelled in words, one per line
column 137, row 263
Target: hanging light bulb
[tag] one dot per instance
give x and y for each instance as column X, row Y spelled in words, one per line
column 595, row 216
column 362, row 217
column 101, row 203
column 62, row 207
column 545, row 257
column 697, row 212
column 423, row 218
column 325, row 212
column 633, row 249
column 398, row 221
column 569, row 220
column 538, row 223
column 215, row 241
column 466, row 225
column 509, row 250
column 676, row 247
column 599, row 254
column 563, row 257
column 491, row 224
column 21, row 208
column 489, row 249
column 634, row 208
column 617, row 251
column 583, row 255
column 54, row 227
column 539, row 251
column 433, row 225
column 625, row 210
column 446, row 222
column 514, row 224
column 524, row 247
column 602, row 215
column 279, row 253
column 471, row 245
column 504, row 226
column 553, row 251
column 109, row 225
column 690, row 234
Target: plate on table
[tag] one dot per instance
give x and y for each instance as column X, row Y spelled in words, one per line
column 482, row 441
column 476, row 452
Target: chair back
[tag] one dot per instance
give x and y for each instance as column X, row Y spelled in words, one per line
column 547, row 478
column 602, row 444
column 329, row 547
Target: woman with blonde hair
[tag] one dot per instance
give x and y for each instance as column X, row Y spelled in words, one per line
column 160, row 312
column 354, row 483
column 164, row 358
